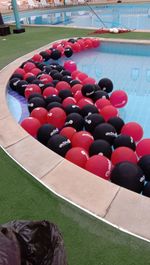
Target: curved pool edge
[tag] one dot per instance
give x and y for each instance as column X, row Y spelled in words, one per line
column 110, row 203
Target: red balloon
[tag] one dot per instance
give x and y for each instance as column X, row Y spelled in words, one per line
column 45, row 78
column 143, row 147
column 61, row 85
column 82, row 139
column 31, row 125
column 84, row 101
column 122, row 154
column 35, row 71
column 88, row 43
column 78, row 95
column 89, row 80
column 49, row 91
column 40, row 113
column 28, row 66
column 37, row 58
column 76, row 88
column 108, row 112
column 68, row 132
column 28, row 75
column 101, row 103
column 81, row 42
column 56, row 44
column 75, row 73
column 20, row 71
column 118, row 98
column 95, row 42
column 32, row 88
column 78, row 156
column 69, row 100
column 81, row 76
column 56, row 116
column 100, row 166
column 48, row 51
column 70, row 66
column 134, row 130
column 76, row 47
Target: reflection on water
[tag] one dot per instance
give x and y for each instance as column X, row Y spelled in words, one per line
column 49, row 19
column 124, row 16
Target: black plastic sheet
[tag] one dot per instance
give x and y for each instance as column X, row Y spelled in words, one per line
column 40, row 243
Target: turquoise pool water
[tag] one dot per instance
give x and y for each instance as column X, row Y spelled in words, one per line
column 131, row 16
column 127, row 65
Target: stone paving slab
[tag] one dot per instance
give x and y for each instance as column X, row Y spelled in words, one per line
column 81, row 187
column 33, row 156
column 130, row 211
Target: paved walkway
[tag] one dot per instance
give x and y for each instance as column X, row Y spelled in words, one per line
column 124, row 209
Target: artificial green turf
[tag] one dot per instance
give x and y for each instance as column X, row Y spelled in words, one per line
column 87, row 240
column 15, row 45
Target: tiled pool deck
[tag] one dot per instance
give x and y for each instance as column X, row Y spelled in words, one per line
column 124, row 209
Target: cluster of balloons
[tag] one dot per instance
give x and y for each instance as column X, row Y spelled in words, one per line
column 78, row 118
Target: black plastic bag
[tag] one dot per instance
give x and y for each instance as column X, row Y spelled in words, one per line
column 40, row 242
column 9, row 248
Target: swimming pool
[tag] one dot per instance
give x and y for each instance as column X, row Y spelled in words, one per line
column 131, row 16
column 127, row 65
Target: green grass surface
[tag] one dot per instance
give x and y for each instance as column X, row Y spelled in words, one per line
column 15, row 45
column 87, row 240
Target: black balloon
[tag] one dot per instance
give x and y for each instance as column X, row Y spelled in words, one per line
column 21, row 86
column 71, row 108
column 129, row 176
column 16, row 75
column 56, row 54
column 106, row 132
column 101, row 147
column 33, row 95
column 65, row 72
column 146, row 189
column 88, row 90
column 124, row 140
column 74, row 82
column 65, row 93
column 36, row 102
column 88, row 110
column 39, row 83
column 45, row 132
column 53, row 98
column 53, row 72
column 117, row 122
column 46, row 56
column 59, row 144
column 106, row 85
column 67, row 78
column 30, row 79
column 144, row 163
column 75, row 120
column 91, row 121
column 68, row 52
column 100, row 94
column 13, row 83
column 54, row 105
column 58, row 76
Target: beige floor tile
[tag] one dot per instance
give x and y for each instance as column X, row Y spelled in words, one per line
column 131, row 211
column 10, row 132
column 35, row 157
column 82, row 187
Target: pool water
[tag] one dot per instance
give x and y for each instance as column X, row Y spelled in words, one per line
column 127, row 65
column 130, row 16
